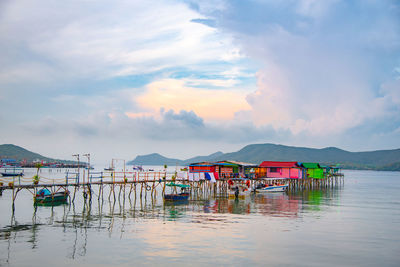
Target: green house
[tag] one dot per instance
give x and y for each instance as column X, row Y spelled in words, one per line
column 313, row 170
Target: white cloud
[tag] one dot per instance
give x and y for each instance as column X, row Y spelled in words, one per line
column 310, row 88
column 102, row 40
column 391, row 92
column 176, row 95
column 315, row 8
column 323, row 75
column 228, row 83
column 321, row 79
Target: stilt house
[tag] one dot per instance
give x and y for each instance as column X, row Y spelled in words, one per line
column 280, row 169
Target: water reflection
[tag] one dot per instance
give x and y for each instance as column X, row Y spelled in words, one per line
column 118, row 215
column 278, row 204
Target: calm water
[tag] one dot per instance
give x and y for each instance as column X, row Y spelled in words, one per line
column 355, row 225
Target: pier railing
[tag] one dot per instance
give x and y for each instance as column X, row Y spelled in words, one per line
column 72, row 176
column 109, row 177
column 142, row 182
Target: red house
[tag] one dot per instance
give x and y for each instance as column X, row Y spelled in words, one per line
column 281, row 169
column 202, row 167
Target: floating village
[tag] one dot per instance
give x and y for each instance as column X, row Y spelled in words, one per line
column 230, row 179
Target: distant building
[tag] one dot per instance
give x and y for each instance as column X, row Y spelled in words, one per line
column 280, row 169
column 8, row 162
column 313, row 170
column 225, row 169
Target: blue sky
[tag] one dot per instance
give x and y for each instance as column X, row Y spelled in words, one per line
column 185, row 78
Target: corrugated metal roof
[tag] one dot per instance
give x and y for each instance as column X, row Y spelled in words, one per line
column 204, row 163
column 310, row 165
column 226, row 164
column 242, row 163
column 279, row 164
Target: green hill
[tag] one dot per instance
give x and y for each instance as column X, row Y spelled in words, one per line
column 18, row 153
column 366, row 160
column 157, row 159
column 256, row 153
column 390, row 167
column 154, row 159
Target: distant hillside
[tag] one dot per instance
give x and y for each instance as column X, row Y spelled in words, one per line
column 390, row 167
column 18, row 153
column 157, row 159
column 210, row 157
column 154, row 159
column 256, row 153
column 330, row 155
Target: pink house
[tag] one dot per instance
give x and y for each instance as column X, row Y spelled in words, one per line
column 279, row 169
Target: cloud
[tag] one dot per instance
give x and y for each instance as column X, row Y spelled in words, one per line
column 166, row 126
column 188, row 118
column 315, row 8
column 173, row 94
column 187, row 125
column 101, row 41
column 323, row 62
column 177, row 74
column 391, row 93
column 208, row 22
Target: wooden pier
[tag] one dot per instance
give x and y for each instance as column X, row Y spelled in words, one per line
column 142, row 184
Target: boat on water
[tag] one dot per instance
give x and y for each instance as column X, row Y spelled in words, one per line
column 44, row 196
column 238, row 188
column 175, row 196
column 7, row 172
column 265, row 188
column 109, row 169
column 137, row 168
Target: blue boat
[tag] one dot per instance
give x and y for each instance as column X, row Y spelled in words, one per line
column 183, row 195
column 7, row 172
column 272, row 188
column 44, row 196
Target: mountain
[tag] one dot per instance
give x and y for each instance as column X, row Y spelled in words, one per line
column 157, row 159
column 154, row 159
column 256, row 153
column 390, row 167
column 210, row 157
column 18, row 153
column 259, row 152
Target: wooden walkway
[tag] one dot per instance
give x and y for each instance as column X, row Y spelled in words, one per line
column 142, row 183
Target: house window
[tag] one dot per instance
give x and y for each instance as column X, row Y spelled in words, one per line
column 274, row 169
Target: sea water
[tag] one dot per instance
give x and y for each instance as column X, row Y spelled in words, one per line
column 356, row 224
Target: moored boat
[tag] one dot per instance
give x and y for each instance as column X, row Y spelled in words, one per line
column 175, row 196
column 44, row 196
column 271, row 188
column 8, row 172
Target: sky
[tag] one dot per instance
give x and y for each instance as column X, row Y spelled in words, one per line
column 184, row 78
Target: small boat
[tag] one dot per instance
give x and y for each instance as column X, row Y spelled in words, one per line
column 7, row 172
column 45, row 196
column 183, row 195
column 109, row 169
column 137, row 168
column 264, row 188
column 238, row 188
